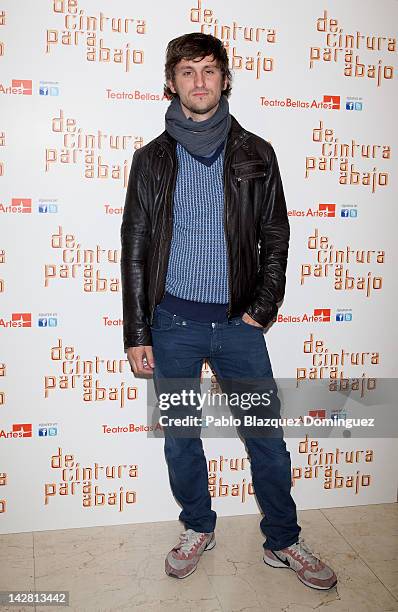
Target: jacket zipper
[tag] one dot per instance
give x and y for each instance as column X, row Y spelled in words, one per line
column 241, row 138
column 171, row 191
column 252, row 175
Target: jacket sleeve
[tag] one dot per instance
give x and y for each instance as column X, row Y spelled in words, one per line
column 135, row 238
column 273, row 246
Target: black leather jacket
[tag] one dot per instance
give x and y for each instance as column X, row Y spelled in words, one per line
column 255, row 221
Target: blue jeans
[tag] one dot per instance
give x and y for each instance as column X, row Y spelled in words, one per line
column 235, row 350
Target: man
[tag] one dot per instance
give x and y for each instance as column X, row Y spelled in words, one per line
column 205, row 239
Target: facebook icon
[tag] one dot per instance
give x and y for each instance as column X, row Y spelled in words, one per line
column 344, row 212
column 349, row 105
column 42, row 322
column 42, row 208
column 339, row 316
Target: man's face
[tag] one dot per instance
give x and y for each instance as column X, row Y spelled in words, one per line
column 199, row 84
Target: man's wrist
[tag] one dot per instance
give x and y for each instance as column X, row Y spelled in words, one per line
column 248, row 319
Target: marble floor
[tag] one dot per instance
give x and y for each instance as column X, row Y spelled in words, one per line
column 122, row 567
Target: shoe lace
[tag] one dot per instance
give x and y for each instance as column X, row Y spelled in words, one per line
column 304, row 552
column 189, row 539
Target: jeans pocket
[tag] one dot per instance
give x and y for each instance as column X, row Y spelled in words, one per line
column 162, row 320
column 252, row 326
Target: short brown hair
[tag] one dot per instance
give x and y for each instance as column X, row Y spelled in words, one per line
column 195, row 46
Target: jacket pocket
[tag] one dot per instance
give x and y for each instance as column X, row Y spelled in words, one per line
column 249, row 170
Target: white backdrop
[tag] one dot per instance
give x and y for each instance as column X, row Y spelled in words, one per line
column 81, row 88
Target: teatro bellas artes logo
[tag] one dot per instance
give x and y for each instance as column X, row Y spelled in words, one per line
column 18, row 87
column 364, row 55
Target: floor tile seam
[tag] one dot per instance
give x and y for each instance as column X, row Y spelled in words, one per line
column 209, row 576
column 214, row 590
column 359, row 555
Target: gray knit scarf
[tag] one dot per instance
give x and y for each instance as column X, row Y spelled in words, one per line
column 198, row 137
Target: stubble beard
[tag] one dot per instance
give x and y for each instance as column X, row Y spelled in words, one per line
column 200, row 110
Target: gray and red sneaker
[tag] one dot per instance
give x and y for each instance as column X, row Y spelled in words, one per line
column 183, row 559
column 309, row 569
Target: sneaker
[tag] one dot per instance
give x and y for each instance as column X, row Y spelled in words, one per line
column 309, row 569
column 183, row 559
